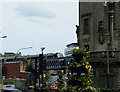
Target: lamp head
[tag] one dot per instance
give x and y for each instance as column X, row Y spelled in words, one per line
column 42, row 48
column 4, row 37
column 105, row 3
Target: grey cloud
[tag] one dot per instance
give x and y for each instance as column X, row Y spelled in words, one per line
column 29, row 11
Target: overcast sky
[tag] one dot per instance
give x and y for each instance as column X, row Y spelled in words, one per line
column 38, row 24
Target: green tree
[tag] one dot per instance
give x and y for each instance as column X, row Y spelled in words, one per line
column 8, row 81
column 80, row 79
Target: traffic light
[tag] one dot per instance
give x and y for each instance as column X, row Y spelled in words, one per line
column 40, row 67
column 41, row 57
column 44, row 64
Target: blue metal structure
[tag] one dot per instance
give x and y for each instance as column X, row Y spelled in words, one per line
column 55, row 63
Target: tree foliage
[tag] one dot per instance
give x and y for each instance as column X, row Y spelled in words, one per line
column 80, row 79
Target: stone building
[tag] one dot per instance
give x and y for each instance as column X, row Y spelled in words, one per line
column 99, row 32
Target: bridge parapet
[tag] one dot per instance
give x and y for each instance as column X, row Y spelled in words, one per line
column 55, row 63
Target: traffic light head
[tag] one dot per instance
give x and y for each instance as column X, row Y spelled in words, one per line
column 41, row 57
column 44, row 64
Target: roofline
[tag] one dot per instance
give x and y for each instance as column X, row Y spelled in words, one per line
column 71, row 44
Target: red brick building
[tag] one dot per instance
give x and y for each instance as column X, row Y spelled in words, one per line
column 13, row 70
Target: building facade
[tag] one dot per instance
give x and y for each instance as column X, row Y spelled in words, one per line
column 69, row 48
column 99, row 32
column 97, row 21
column 14, row 69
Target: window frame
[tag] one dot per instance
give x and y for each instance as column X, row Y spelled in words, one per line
column 86, row 25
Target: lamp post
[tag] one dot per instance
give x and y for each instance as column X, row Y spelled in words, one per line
column 24, row 48
column 15, row 59
column 40, row 65
column 110, row 36
column 42, row 48
column 1, row 63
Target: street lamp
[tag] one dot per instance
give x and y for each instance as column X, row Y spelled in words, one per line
column 15, row 59
column 23, row 49
column 40, row 65
column 110, row 36
column 42, row 48
column 4, row 36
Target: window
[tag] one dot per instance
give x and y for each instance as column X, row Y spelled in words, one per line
column 86, row 25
